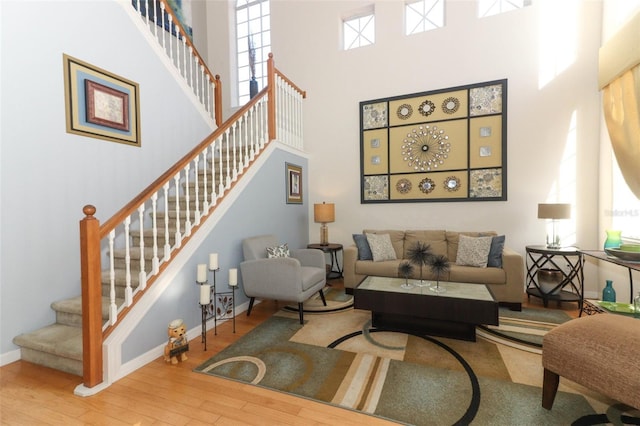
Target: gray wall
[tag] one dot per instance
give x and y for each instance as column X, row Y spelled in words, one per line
column 260, row 209
column 48, row 175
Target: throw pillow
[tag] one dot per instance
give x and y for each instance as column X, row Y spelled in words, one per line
column 473, row 251
column 278, row 251
column 495, row 252
column 364, row 251
column 381, row 247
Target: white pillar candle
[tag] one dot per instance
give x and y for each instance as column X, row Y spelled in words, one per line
column 233, row 277
column 205, row 294
column 201, row 277
column 213, row 261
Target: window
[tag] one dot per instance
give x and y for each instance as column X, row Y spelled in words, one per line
column 253, row 44
column 494, row 7
column 359, row 31
column 423, row 15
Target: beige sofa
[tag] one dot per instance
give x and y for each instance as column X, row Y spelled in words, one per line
column 506, row 283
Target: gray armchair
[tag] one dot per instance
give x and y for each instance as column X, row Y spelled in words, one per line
column 293, row 278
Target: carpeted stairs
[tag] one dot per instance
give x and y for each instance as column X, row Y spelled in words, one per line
column 59, row 345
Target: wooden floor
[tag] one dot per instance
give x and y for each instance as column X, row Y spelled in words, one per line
column 164, row 394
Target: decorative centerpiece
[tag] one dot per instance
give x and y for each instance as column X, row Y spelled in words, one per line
column 439, row 264
column 419, row 255
column 405, row 269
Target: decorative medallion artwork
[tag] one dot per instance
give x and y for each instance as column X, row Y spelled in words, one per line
column 425, row 148
column 437, row 146
column 450, row 105
column 404, row 186
column 405, row 111
column 427, row 108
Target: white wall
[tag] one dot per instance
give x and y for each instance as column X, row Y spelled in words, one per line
column 548, row 52
column 47, row 175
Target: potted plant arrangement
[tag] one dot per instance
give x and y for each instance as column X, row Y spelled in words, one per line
column 405, row 269
column 253, row 83
column 419, row 255
column 439, row 264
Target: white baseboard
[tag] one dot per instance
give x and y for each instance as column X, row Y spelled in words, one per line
column 9, row 357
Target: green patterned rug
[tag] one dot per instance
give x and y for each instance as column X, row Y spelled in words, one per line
column 338, row 359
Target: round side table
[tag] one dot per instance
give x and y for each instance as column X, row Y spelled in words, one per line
column 567, row 260
column 334, row 270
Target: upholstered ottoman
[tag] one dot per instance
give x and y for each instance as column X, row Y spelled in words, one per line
column 600, row 352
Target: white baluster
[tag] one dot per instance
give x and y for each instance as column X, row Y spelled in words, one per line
column 167, row 245
column 142, row 283
column 128, row 294
column 214, row 198
column 164, row 37
column 170, row 38
column 252, row 136
column 187, row 224
column 183, row 65
column 113, row 308
column 155, row 18
column 202, row 75
column 190, row 73
column 178, row 234
column 196, row 186
column 155, row 262
column 228, row 185
column 236, row 140
column 205, row 202
column 220, row 165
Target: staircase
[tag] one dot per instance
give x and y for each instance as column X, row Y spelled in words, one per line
column 59, row 345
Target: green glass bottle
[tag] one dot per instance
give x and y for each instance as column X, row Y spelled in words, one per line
column 608, row 293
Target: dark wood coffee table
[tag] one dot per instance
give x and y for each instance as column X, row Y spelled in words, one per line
column 454, row 313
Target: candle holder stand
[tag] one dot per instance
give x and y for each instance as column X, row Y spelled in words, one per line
column 222, row 305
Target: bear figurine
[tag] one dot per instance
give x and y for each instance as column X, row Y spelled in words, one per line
column 178, row 345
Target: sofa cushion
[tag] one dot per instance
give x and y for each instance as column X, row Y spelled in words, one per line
column 364, row 251
column 436, row 239
column 495, row 252
column 381, row 247
column 387, row 268
column 397, row 239
column 473, row 251
column 453, row 238
column 472, row 274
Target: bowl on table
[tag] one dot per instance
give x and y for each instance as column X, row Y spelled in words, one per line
column 625, row 255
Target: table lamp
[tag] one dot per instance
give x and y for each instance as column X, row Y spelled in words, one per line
column 324, row 213
column 554, row 212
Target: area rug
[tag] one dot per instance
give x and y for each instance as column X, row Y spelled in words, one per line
column 523, row 329
column 339, row 359
column 336, row 298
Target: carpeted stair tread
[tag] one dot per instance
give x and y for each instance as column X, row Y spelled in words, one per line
column 121, row 277
column 56, row 339
column 74, row 306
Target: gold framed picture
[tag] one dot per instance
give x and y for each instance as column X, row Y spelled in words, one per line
column 294, row 183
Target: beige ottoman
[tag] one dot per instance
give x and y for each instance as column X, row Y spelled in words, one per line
column 600, row 352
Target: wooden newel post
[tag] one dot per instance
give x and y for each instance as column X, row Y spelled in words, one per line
column 271, row 108
column 91, row 298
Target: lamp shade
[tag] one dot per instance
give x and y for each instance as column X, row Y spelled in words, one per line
column 554, row 211
column 324, row 213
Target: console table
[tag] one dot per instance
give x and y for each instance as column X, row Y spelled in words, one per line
column 572, row 284
column 631, row 266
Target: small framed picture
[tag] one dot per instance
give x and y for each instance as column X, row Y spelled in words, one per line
column 294, row 183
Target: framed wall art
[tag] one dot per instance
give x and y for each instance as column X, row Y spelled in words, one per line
column 442, row 145
column 100, row 104
column 294, row 183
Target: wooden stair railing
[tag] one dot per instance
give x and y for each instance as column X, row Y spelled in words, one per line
column 211, row 167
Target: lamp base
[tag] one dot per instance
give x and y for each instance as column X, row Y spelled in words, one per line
column 324, row 235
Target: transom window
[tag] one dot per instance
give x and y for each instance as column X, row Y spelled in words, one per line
column 253, row 45
column 494, row 7
column 359, row 31
column 423, row 15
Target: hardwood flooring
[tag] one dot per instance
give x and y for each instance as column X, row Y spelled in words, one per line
column 165, row 394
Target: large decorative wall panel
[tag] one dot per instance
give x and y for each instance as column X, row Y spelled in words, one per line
column 443, row 145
